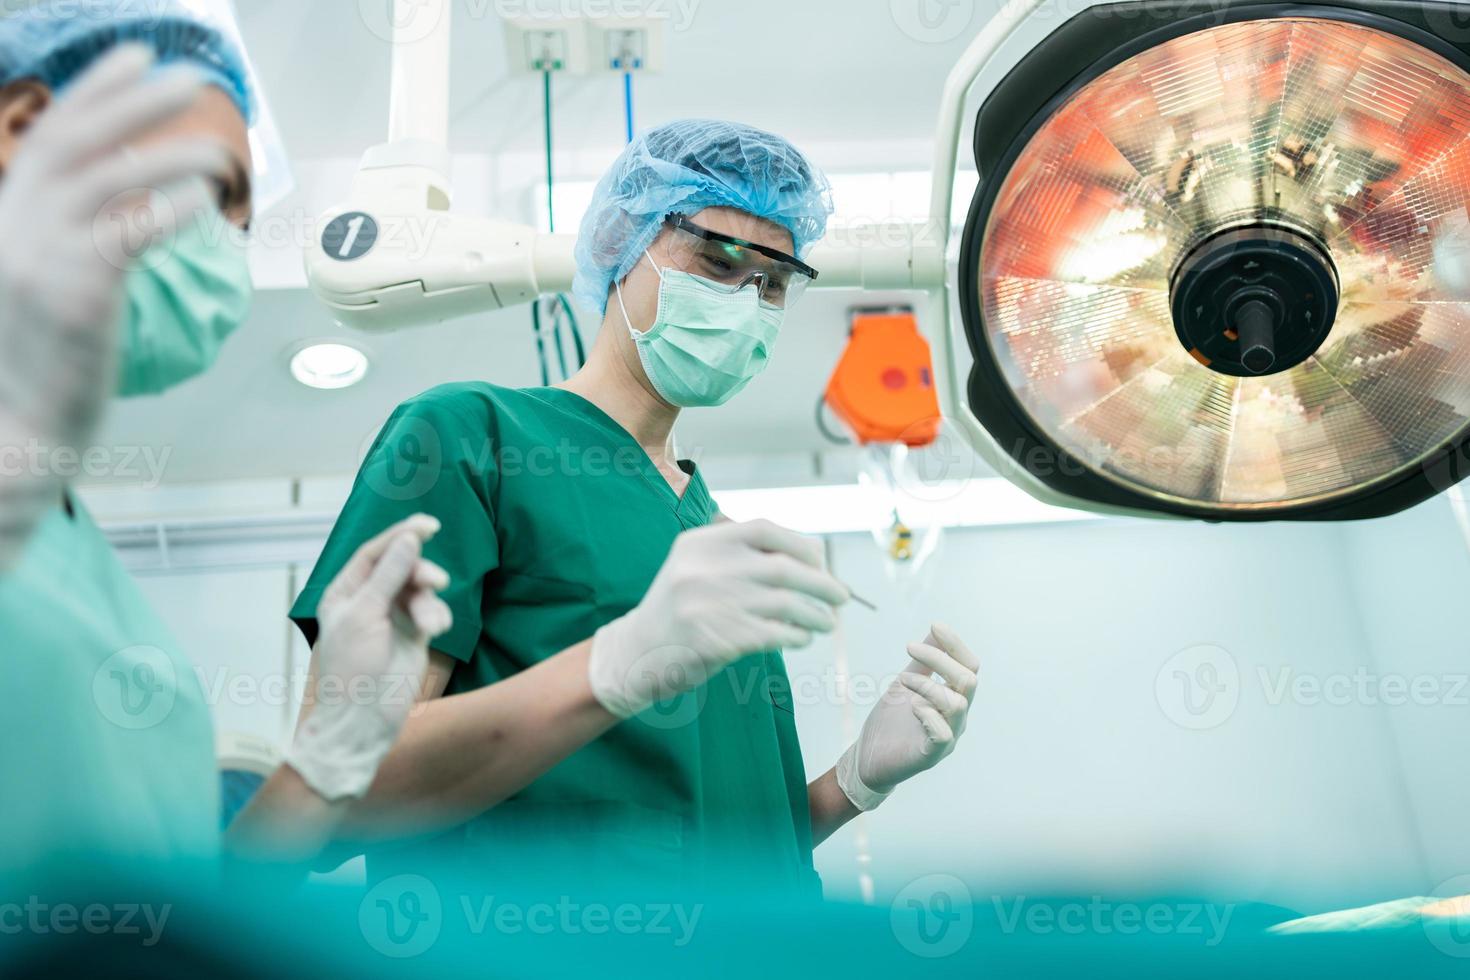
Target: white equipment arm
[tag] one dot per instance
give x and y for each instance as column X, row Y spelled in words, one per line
column 395, row 255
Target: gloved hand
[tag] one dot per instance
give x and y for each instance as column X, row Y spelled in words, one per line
column 377, row 618
column 69, row 203
column 917, row 722
column 725, row 591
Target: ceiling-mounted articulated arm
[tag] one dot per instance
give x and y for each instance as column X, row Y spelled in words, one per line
column 382, row 264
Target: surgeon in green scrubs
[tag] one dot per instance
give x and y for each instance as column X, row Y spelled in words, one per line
column 109, row 749
column 612, row 699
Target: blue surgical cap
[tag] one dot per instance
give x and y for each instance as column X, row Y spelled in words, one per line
column 684, row 167
column 54, row 41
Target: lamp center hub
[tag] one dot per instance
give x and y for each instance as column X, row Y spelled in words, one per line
column 1255, row 300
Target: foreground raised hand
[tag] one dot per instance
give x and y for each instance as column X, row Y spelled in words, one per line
column 377, row 619
column 916, row 723
column 70, row 202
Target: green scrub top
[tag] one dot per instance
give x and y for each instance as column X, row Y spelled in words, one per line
column 109, row 747
column 555, row 522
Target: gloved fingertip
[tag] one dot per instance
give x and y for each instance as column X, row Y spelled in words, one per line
column 446, row 620
column 426, row 526
column 404, row 544
column 396, row 567
column 430, row 576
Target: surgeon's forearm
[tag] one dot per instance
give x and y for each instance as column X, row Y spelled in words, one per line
column 830, row 806
column 459, row 756
column 286, row 825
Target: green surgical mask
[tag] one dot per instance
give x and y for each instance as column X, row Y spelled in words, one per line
column 706, row 343
column 184, row 300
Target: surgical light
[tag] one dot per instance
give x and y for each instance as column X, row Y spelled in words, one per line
column 1205, row 271
column 329, row 366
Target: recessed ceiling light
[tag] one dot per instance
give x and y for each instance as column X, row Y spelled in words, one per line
column 329, row 366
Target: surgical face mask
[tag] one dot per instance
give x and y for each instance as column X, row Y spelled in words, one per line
column 707, row 342
column 184, row 299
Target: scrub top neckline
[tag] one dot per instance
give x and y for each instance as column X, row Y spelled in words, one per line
column 696, row 496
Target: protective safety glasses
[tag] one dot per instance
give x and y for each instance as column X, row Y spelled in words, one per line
column 737, row 264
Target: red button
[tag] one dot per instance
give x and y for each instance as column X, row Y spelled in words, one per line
column 894, row 379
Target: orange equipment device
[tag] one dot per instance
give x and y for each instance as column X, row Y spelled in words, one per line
column 883, row 387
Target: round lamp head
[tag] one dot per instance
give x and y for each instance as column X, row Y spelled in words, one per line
column 1208, row 277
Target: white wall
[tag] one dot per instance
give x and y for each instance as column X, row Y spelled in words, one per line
column 1078, row 771
column 1410, row 579
column 233, row 625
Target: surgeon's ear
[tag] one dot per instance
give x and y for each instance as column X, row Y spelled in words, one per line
column 20, row 105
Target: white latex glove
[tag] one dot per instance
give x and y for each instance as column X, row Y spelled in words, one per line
column 724, row 592
column 377, row 619
column 916, row 723
column 71, row 204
